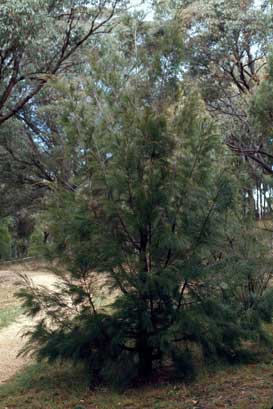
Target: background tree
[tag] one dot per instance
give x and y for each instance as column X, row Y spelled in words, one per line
column 39, row 39
column 227, row 47
column 5, row 241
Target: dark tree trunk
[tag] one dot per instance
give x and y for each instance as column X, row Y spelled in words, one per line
column 145, row 355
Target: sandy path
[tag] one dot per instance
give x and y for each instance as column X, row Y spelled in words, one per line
column 11, row 341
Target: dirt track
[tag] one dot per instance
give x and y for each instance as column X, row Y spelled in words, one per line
column 11, row 340
column 10, row 344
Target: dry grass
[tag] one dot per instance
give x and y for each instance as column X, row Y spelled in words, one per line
column 41, row 386
column 9, row 315
column 62, row 387
column 9, row 307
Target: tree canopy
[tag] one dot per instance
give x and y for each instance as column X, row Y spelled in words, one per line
column 142, row 159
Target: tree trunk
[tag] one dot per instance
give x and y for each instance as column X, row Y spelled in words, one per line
column 145, row 355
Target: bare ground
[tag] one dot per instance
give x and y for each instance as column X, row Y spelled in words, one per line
column 11, row 341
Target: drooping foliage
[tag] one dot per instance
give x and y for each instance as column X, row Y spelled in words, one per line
column 38, row 40
column 161, row 263
column 227, row 47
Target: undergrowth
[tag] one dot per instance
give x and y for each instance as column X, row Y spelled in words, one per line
column 41, row 386
column 9, row 314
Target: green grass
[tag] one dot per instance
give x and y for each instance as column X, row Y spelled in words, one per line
column 41, row 386
column 9, row 314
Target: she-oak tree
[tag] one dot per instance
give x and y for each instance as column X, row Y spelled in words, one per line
column 158, row 266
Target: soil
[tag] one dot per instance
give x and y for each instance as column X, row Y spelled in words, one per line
column 11, row 340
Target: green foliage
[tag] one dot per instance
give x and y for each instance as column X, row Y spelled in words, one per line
column 154, row 228
column 36, row 38
column 184, row 364
column 261, row 108
column 226, row 53
column 5, row 241
column 8, row 315
column 39, row 40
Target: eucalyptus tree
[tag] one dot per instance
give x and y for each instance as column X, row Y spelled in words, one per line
column 39, row 39
column 227, row 48
column 227, row 55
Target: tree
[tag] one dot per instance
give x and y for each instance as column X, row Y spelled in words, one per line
column 226, row 52
column 261, row 108
column 22, row 229
column 40, row 39
column 5, row 241
column 148, row 231
column 228, row 55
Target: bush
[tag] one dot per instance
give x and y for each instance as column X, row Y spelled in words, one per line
column 5, row 241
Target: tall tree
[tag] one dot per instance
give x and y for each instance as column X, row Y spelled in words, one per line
column 227, row 49
column 151, row 224
column 39, row 39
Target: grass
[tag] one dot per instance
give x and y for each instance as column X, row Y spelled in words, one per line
column 9, row 314
column 41, row 386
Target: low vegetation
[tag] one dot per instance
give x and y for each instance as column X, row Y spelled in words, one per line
column 64, row 387
column 9, row 314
